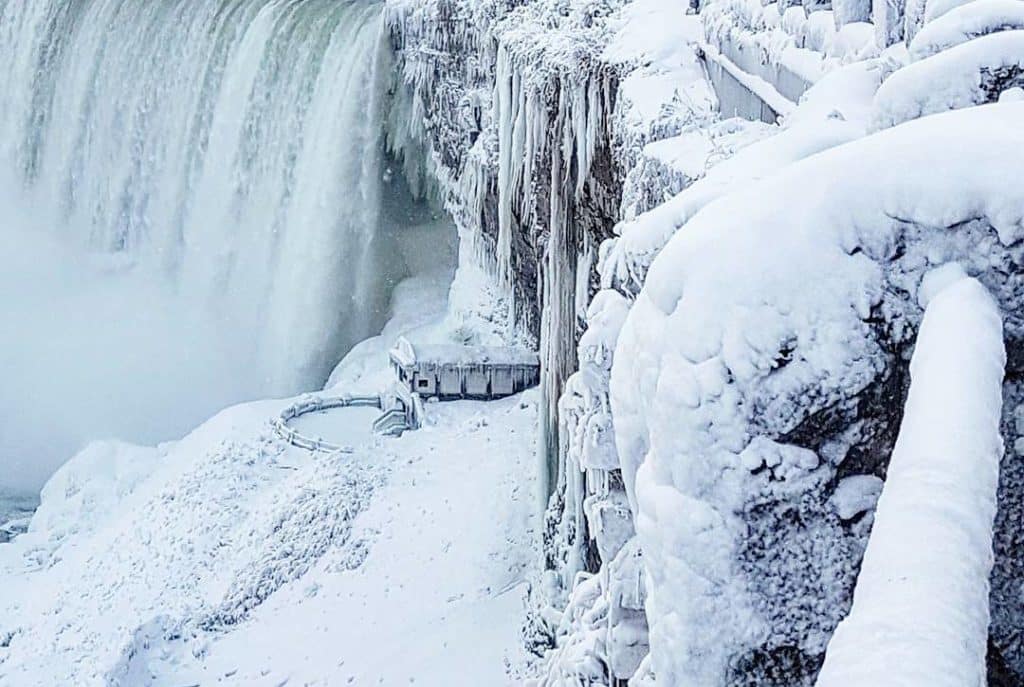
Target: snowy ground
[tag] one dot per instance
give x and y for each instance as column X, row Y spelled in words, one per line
column 430, row 567
column 231, row 558
column 438, row 600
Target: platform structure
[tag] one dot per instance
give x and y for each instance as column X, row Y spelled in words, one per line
column 401, row 411
column 451, row 372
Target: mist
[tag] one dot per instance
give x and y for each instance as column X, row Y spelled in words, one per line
column 93, row 348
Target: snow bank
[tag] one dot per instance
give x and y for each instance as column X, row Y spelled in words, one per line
column 87, row 490
column 967, row 74
column 737, row 374
column 920, row 612
column 965, row 23
column 933, row 9
column 625, row 261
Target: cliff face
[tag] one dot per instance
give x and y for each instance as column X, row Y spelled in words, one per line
column 515, row 104
column 535, row 117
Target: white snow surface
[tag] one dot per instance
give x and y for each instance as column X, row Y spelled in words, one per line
column 962, row 76
column 755, row 154
column 244, row 562
column 933, row 9
column 920, row 610
column 966, row 23
column 228, row 557
column 754, row 315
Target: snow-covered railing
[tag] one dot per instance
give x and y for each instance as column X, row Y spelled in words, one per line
column 315, row 404
column 401, row 411
column 743, row 94
column 920, row 611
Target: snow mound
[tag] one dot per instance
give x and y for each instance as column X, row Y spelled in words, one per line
column 921, row 611
column 933, row 9
column 87, row 490
column 625, row 261
column 772, row 324
column 967, row 74
column 965, row 23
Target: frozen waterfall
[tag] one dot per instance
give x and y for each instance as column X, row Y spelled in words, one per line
column 196, row 206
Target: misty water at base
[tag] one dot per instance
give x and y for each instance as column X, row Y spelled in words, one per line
column 196, row 209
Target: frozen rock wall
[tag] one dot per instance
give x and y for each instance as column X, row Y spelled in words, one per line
column 537, row 116
column 514, row 103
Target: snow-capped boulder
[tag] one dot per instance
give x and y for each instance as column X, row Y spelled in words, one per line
column 968, row 74
column 966, row 23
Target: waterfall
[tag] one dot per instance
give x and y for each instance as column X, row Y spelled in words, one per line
column 209, row 171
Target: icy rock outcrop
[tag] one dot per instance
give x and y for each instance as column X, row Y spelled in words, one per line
column 718, row 156
column 602, row 638
column 516, row 103
column 741, row 398
column 532, row 113
column 920, row 611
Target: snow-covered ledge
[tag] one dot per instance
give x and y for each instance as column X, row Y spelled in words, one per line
column 920, row 611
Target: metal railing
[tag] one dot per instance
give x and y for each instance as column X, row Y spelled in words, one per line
column 402, row 412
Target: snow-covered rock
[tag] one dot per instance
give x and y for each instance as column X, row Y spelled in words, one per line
column 966, row 74
column 966, row 23
column 777, row 319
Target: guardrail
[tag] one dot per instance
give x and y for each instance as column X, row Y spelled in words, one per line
column 402, row 412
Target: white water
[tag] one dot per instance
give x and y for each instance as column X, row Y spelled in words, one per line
column 193, row 211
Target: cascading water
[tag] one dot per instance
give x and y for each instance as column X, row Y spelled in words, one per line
column 191, row 199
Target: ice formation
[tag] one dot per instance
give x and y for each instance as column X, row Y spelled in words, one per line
column 735, row 398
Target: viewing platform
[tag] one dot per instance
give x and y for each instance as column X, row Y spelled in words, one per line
column 451, row 372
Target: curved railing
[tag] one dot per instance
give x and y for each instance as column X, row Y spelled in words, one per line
column 401, row 413
column 315, row 404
